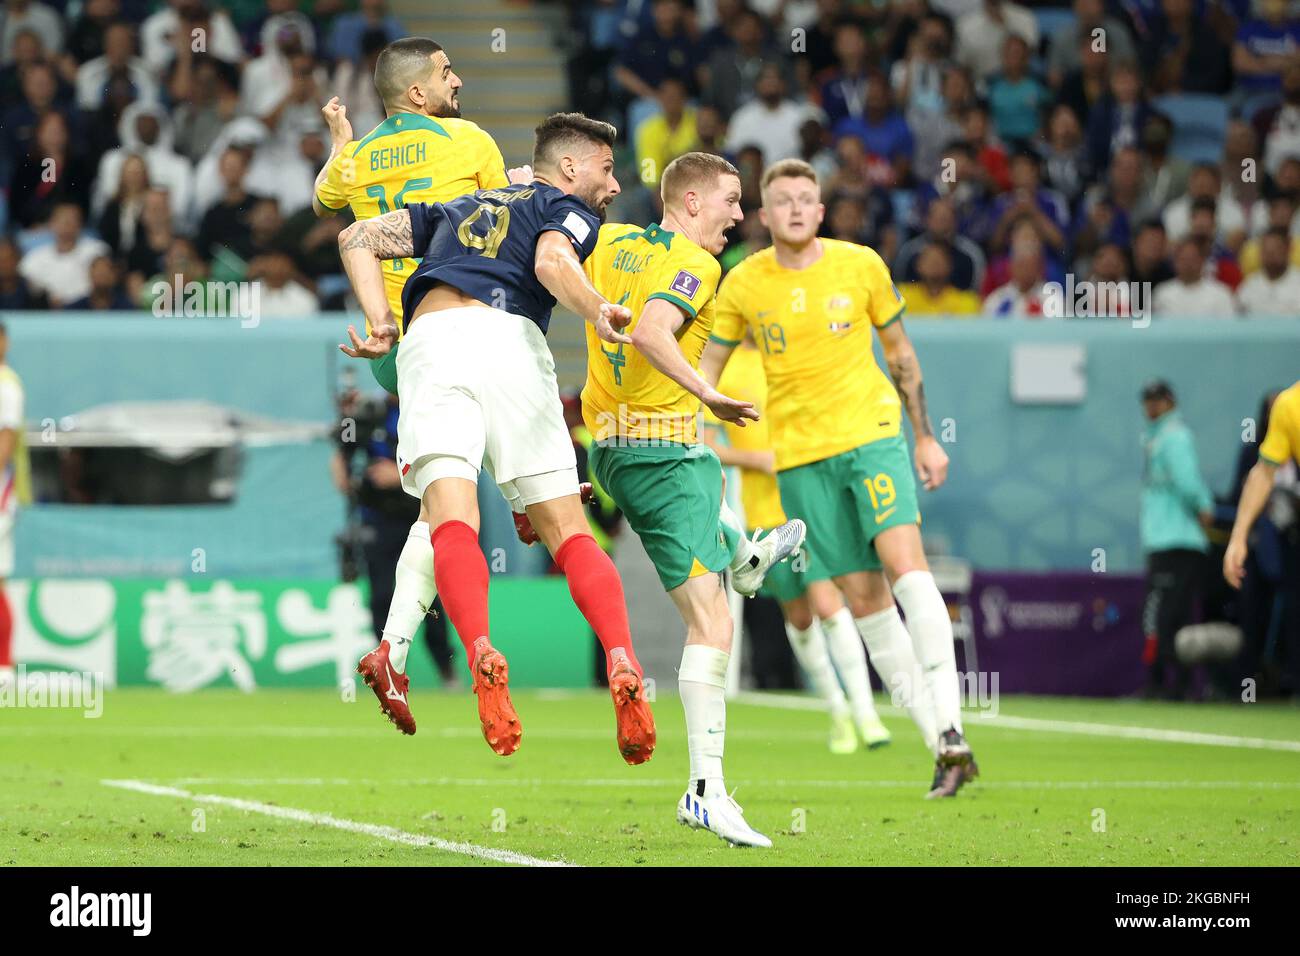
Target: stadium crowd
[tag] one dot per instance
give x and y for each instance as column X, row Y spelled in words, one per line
column 984, row 148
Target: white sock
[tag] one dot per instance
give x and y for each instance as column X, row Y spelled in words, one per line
column 890, row 648
column 701, row 681
column 931, row 629
column 810, row 649
column 851, row 661
column 413, row 593
column 743, row 551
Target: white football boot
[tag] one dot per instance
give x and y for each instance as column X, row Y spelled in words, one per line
column 775, row 546
column 721, row 815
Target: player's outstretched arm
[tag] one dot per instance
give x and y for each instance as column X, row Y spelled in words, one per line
column 362, row 247
column 1254, row 495
column 655, row 339
column 558, row 269
column 336, row 117
column 905, row 370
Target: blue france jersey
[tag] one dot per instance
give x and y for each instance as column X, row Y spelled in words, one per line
column 483, row 243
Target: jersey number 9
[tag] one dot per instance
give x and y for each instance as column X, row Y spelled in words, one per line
column 498, row 218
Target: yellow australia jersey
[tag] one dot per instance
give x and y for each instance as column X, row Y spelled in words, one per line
column 1282, row 442
column 410, row 158
column 625, row 396
column 826, row 395
column 743, row 379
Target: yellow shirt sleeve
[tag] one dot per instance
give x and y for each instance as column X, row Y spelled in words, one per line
column 688, row 282
column 729, row 313
column 492, row 167
column 1279, row 444
column 333, row 192
column 886, row 302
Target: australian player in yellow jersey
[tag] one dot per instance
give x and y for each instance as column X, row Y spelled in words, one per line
column 842, row 461
column 1280, row 447
column 818, row 624
column 422, row 152
column 641, row 405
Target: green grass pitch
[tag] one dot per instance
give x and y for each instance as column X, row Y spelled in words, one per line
column 330, row 783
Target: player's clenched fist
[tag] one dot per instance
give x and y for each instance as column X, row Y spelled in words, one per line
column 336, row 118
column 931, row 462
column 611, row 319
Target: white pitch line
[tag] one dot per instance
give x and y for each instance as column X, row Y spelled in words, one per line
column 338, row 823
column 790, row 702
column 649, row 782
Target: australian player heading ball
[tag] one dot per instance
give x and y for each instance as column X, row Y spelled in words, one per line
column 841, row 459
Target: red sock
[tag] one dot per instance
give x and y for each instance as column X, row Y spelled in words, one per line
column 461, row 574
column 598, row 591
column 6, row 631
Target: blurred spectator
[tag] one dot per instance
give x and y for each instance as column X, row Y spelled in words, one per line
column 935, row 294
column 312, row 243
column 1029, row 199
column 172, row 27
column 119, row 59
column 145, row 130
column 884, row 132
column 710, row 129
column 1219, row 260
column 813, row 149
column 106, row 291
column 1274, row 290
column 1064, row 156
column 918, row 79
column 1022, row 296
column 1164, row 176
column 354, row 84
column 1239, row 154
column 770, row 121
column 289, row 176
column 965, row 258
column 227, row 224
column 1264, row 46
column 154, row 238
column 1282, row 215
column 1278, row 127
column 347, row 36
column 88, row 31
column 20, row 15
column 279, row 85
column 1190, row 293
column 282, row 295
column 1176, row 509
column 1110, row 269
column 729, row 77
column 120, row 223
column 61, row 269
column 1285, row 186
column 666, row 135
column 753, row 236
column 1151, row 255
column 819, row 41
column 660, row 50
column 1183, row 54
column 206, row 91
column 15, row 291
column 844, row 92
column 1205, row 182
column 27, row 51
column 966, row 185
column 1016, row 96
column 1089, row 16
column 1084, row 87
column 40, row 95
column 981, row 33
column 53, row 172
column 990, row 152
column 1116, row 121
column 932, row 132
column 846, row 220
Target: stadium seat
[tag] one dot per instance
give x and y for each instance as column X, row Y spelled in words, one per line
column 1200, row 124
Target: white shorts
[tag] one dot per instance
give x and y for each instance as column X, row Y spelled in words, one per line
column 477, row 390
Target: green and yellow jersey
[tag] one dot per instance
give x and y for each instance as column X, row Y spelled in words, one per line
column 1282, row 441
column 743, row 379
column 625, row 396
column 410, row 158
column 826, row 394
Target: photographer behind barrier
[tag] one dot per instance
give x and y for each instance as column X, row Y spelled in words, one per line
column 380, row 513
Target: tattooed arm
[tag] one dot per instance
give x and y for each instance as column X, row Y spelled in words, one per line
column 905, row 370
column 362, row 247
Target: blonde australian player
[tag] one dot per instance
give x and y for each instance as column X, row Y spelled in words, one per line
column 842, row 461
column 641, row 403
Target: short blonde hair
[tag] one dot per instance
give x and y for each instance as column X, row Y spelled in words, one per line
column 792, row 168
column 693, row 169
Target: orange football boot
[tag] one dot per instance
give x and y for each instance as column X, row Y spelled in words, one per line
column 501, row 728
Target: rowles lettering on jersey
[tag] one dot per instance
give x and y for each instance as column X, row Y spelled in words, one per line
column 626, row 261
column 395, row 156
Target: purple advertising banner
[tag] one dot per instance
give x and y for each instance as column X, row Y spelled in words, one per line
column 1060, row 633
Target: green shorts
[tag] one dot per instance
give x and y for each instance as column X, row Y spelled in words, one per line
column 847, row 500
column 672, row 497
column 384, row 369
